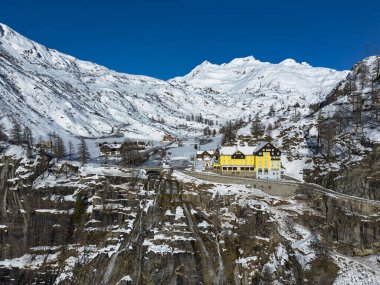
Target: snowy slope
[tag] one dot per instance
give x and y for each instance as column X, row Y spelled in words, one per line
column 50, row 91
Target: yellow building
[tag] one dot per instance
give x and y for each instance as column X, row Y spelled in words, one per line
column 262, row 160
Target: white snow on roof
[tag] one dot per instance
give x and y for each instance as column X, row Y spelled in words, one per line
column 246, row 150
column 112, row 145
column 211, row 152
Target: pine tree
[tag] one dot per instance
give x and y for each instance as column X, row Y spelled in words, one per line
column 27, row 137
column 257, row 128
column 297, row 105
column 320, row 128
column 272, row 111
column 71, row 150
column 83, row 152
column 269, row 128
column 16, row 136
column 3, row 136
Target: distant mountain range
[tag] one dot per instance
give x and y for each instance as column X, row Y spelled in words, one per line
column 51, row 91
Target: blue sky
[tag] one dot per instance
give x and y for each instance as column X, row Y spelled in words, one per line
column 167, row 38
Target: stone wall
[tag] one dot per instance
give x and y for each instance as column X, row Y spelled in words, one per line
column 270, row 187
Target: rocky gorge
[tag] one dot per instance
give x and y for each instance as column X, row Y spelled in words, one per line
column 107, row 225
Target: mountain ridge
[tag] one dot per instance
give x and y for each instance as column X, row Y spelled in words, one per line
column 51, row 91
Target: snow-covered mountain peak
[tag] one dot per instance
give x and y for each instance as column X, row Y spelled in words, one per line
column 289, row 62
column 196, row 70
column 249, row 75
column 243, row 61
column 205, row 63
column 371, row 61
column 11, row 37
column 305, row 64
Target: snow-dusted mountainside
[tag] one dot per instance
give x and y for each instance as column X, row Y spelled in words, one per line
column 50, row 91
column 345, row 134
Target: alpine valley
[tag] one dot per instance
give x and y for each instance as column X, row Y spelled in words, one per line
column 62, row 222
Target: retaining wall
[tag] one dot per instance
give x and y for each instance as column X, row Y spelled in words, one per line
column 277, row 188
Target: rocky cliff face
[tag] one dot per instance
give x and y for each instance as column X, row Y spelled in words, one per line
column 346, row 135
column 103, row 225
column 359, row 178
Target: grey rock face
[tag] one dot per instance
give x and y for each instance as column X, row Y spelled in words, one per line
column 82, row 228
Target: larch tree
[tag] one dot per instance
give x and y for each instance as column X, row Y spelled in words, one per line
column 329, row 139
column 83, row 153
column 357, row 102
column 59, row 147
column 375, row 99
column 27, row 138
column 363, row 74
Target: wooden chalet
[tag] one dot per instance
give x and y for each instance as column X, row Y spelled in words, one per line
column 204, row 154
column 110, row 148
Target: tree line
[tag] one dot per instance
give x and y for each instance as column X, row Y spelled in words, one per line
column 199, row 118
column 54, row 145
